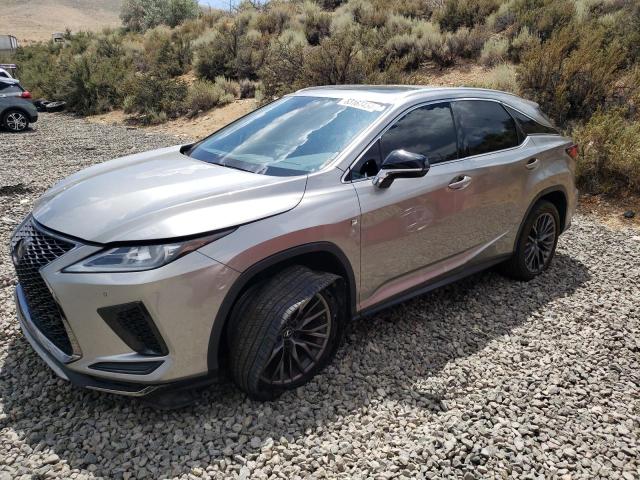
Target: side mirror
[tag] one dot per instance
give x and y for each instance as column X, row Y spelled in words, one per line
column 401, row 164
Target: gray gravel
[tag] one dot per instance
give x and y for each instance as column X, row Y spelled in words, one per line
column 484, row 378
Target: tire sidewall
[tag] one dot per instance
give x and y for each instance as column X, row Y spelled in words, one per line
column 331, row 295
column 538, row 209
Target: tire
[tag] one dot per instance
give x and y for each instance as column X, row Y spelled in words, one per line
column 265, row 331
column 41, row 104
column 531, row 258
column 15, row 120
column 55, row 106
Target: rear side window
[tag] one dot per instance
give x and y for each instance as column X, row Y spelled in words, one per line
column 529, row 126
column 9, row 88
column 427, row 130
column 486, row 127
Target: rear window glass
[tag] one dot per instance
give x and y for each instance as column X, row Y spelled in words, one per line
column 529, row 126
column 486, row 126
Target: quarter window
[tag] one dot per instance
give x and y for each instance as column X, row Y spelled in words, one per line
column 486, row 127
column 529, row 126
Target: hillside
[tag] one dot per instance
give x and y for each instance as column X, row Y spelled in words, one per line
column 580, row 60
column 34, row 20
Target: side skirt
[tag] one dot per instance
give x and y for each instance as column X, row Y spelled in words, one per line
column 432, row 284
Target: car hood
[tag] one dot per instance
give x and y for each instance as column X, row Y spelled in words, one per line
column 162, row 194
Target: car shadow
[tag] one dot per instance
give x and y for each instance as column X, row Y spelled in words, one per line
column 395, row 355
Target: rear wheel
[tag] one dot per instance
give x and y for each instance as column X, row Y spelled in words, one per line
column 536, row 245
column 284, row 331
column 15, row 121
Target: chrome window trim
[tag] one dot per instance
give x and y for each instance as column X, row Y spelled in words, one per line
column 343, row 179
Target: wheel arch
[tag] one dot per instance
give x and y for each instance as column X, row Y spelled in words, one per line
column 557, row 195
column 324, row 256
column 8, row 110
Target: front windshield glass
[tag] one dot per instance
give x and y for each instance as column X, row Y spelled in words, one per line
column 292, row 136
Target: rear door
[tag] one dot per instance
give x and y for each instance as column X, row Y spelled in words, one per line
column 497, row 159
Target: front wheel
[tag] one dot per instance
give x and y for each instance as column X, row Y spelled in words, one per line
column 284, row 331
column 536, row 244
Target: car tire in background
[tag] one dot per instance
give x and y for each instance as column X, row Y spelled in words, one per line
column 41, row 104
column 536, row 244
column 15, row 120
column 55, row 106
column 284, row 330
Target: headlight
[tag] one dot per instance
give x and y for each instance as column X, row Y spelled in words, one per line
column 136, row 258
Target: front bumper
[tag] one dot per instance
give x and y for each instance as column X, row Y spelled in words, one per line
column 182, row 299
column 55, row 359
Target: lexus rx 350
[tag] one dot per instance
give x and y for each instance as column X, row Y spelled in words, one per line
column 247, row 252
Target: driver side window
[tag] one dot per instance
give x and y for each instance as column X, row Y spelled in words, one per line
column 427, row 130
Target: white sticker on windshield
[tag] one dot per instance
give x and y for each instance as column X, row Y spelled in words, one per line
column 361, row 104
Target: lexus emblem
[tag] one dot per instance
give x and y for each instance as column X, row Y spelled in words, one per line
column 18, row 251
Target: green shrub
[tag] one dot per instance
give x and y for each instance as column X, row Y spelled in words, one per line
column 522, row 42
column 140, row 15
column 339, row 59
column 152, row 98
column 167, row 53
column 315, row 22
column 464, row 13
column 494, row 51
column 500, row 77
column 572, row 74
column 229, row 87
column 92, row 84
column 280, row 72
column 204, row 95
column 542, row 17
column 217, row 57
column 248, row 88
column 610, row 153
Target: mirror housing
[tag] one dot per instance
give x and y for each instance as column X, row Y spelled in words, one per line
column 401, row 164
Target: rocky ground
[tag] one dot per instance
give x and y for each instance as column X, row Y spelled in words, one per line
column 484, row 378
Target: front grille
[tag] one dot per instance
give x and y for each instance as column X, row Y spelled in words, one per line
column 33, row 249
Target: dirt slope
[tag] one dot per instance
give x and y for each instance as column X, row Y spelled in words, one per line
column 33, row 20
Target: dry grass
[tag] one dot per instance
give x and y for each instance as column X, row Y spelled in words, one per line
column 36, row 20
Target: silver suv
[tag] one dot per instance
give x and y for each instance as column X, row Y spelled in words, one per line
column 247, row 253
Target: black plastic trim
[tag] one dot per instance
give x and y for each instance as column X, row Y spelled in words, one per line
column 249, row 274
column 110, row 316
column 440, row 281
column 130, row 368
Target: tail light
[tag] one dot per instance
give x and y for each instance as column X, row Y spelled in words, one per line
column 25, row 94
column 572, row 151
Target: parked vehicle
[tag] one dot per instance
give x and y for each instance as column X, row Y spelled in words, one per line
column 16, row 113
column 247, row 252
column 4, row 73
column 10, row 87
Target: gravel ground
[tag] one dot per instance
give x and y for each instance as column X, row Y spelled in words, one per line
column 484, row 378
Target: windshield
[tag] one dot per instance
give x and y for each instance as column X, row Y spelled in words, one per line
column 292, row 136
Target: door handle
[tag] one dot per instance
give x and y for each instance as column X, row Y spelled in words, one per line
column 460, row 182
column 532, row 163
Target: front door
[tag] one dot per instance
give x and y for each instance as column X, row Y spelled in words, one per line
column 412, row 228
